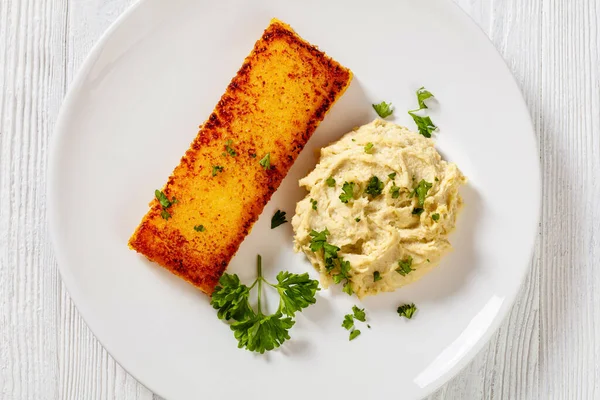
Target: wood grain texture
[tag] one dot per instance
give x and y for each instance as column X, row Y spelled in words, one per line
column 548, row 347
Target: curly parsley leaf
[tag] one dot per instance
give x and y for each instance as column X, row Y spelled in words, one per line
column 383, row 109
column 330, row 181
column 420, row 191
column 262, row 332
column 407, row 310
column 354, row 334
column 330, row 255
column 348, row 288
column 278, row 219
column 359, row 313
column 265, row 162
column 348, row 322
column 347, row 192
column 374, row 187
column 424, row 123
column 405, row 266
column 422, row 95
column 230, row 297
column 318, row 239
column 296, row 292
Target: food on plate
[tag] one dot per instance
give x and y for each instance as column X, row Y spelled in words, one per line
column 256, row 331
column 381, row 203
column 240, row 156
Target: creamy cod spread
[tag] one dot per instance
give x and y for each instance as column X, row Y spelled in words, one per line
column 380, row 206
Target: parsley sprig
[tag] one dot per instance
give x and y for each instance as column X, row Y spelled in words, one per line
column 164, row 203
column 254, row 330
column 424, row 122
column 383, row 109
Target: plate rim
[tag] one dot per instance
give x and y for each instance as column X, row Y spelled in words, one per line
column 62, row 121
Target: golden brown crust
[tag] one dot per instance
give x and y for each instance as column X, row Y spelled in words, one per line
column 273, row 105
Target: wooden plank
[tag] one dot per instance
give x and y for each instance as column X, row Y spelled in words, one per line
column 32, row 36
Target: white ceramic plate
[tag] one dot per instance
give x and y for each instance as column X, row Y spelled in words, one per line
column 135, row 107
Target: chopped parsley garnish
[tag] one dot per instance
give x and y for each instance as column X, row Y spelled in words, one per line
column 357, row 219
column 230, row 149
column 199, row 228
column 383, row 109
column 164, row 203
column 330, row 256
column 422, row 95
column 253, row 155
column 278, row 219
column 392, row 176
column 256, row 331
column 348, row 322
column 374, row 187
column 314, row 204
column 417, row 211
column 424, row 123
column 407, row 310
column 354, row 334
column 163, row 199
column 395, row 191
column 318, row 242
column 437, row 179
column 420, row 192
column 216, row 169
column 348, row 192
column 318, row 239
column 369, row 148
column 359, row 313
column 376, row 276
column 265, row 162
column 405, row 266
column 435, row 217
column 330, row 181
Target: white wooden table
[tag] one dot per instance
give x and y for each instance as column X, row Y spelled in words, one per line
column 548, row 348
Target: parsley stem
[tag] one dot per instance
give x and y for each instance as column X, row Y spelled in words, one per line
column 259, row 279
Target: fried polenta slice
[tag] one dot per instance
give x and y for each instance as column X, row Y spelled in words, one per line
column 269, row 111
